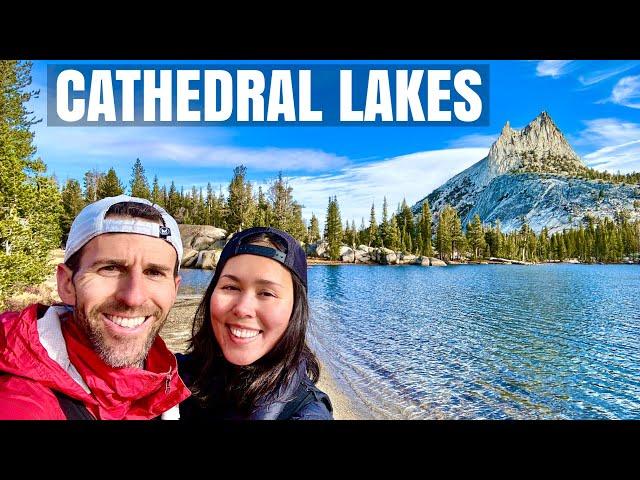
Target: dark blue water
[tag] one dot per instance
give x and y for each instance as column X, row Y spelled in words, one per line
column 478, row 341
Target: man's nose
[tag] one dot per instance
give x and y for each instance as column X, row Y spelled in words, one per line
column 245, row 305
column 132, row 290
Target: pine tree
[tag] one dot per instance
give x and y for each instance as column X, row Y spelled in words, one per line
column 393, row 234
column 372, row 233
column 443, row 233
column 263, row 211
column 297, row 227
column 314, row 229
column 173, row 199
column 281, row 203
column 354, row 234
column 458, row 240
column 241, row 206
column 156, row 193
column 72, row 203
column 164, row 197
column 475, row 236
column 362, row 233
column 385, row 227
column 406, row 224
column 425, row 229
column 30, row 202
column 139, row 184
column 109, row 185
column 333, row 228
column 91, row 180
column 419, row 244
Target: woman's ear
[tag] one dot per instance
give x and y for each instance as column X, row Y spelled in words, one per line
column 66, row 289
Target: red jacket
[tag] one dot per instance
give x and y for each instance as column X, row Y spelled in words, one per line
column 28, row 375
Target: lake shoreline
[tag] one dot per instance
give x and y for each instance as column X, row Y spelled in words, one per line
column 319, row 261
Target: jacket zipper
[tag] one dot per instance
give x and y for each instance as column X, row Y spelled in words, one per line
column 167, row 381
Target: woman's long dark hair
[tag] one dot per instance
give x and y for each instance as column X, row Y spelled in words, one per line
column 246, row 386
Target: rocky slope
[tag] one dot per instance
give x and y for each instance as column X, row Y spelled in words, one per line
column 532, row 175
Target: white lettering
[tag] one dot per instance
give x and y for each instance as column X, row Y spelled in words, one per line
column 184, row 95
column 211, row 78
column 128, row 79
column 474, row 100
column 346, row 100
column 378, row 85
column 101, row 100
column 76, row 79
column 250, row 88
column 281, row 84
column 153, row 93
column 435, row 95
column 408, row 95
column 306, row 114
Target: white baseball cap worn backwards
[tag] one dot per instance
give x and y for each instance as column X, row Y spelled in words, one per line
column 90, row 223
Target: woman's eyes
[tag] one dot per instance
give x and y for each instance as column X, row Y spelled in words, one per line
column 263, row 293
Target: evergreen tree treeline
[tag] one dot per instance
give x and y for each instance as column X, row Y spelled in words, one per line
column 241, row 208
column 30, row 203
column 597, row 240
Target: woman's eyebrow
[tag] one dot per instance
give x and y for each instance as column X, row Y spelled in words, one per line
column 262, row 281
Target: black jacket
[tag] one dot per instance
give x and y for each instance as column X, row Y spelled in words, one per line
column 299, row 400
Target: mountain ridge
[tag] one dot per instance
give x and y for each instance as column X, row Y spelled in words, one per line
column 536, row 169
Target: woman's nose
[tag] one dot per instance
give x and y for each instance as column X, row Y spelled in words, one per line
column 244, row 305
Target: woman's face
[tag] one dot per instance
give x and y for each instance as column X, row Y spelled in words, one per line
column 250, row 307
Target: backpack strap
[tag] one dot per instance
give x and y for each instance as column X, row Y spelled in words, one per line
column 73, row 409
column 302, row 398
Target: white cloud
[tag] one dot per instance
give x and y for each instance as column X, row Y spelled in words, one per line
column 409, row 176
column 627, row 92
column 617, row 145
column 552, row 68
column 597, row 76
column 158, row 146
column 474, row 141
column 604, row 132
column 624, row 158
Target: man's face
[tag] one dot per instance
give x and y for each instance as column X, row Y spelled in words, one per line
column 122, row 293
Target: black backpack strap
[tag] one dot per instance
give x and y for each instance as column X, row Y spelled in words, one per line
column 73, row 409
column 302, row 398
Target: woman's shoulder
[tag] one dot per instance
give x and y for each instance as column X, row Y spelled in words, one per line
column 316, row 404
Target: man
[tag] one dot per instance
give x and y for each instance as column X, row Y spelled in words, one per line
column 99, row 355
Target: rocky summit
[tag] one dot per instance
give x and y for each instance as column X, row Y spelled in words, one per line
column 533, row 175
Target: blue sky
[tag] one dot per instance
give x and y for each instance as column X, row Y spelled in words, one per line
column 596, row 104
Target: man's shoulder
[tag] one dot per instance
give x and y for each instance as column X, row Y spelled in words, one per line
column 30, row 312
column 25, row 399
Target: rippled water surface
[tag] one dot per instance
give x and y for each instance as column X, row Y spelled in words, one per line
column 478, row 341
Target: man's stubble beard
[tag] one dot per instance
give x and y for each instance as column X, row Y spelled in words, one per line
column 133, row 356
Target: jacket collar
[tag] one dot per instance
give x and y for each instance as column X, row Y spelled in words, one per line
column 126, row 393
column 115, row 393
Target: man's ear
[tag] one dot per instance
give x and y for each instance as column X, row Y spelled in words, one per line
column 178, row 279
column 66, row 289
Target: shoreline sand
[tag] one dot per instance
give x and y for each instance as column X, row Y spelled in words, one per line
column 177, row 330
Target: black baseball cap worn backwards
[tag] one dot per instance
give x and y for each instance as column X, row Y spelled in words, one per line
column 293, row 257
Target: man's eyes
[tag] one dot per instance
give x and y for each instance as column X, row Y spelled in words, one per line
column 110, row 268
column 156, row 273
column 113, row 269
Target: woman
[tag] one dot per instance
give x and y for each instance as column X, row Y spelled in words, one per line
column 248, row 357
